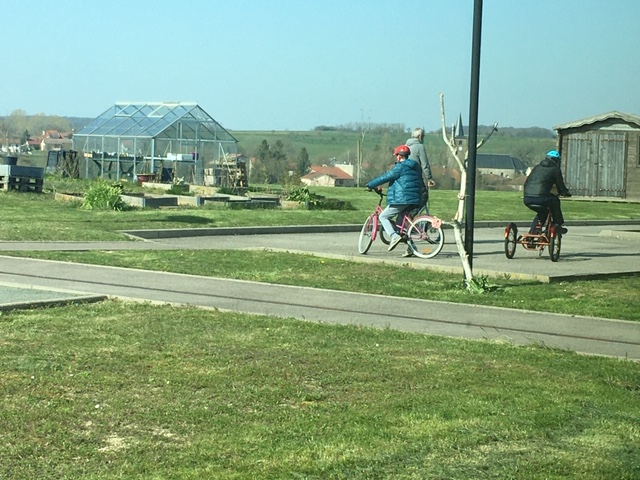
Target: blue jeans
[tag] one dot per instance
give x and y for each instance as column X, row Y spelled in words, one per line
column 390, row 212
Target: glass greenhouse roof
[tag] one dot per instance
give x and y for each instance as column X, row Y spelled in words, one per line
column 161, row 120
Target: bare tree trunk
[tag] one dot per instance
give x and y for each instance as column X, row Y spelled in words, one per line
column 456, row 223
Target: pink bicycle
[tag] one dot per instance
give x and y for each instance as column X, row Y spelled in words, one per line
column 423, row 233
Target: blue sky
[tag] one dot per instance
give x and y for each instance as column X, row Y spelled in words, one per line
column 292, row 65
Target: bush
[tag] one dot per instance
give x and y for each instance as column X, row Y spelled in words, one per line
column 104, row 196
column 314, row 201
column 302, row 194
column 331, row 204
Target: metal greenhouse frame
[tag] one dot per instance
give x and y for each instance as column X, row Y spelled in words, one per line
column 165, row 141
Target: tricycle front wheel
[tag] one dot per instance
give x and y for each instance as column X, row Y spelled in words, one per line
column 510, row 240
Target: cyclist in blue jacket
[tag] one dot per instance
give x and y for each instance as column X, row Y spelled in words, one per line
column 405, row 192
column 537, row 190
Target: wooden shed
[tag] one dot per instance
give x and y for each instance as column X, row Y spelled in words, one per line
column 601, row 155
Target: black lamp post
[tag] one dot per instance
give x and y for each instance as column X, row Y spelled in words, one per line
column 473, row 130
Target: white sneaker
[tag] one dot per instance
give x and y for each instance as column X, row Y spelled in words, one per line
column 394, row 242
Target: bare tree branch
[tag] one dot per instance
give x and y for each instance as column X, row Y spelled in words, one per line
column 462, row 163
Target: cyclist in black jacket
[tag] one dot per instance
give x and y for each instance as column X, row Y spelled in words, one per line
column 537, row 189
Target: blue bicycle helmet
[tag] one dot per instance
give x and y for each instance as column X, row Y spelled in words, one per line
column 553, row 154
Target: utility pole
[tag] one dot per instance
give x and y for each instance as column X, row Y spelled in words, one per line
column 358, row 161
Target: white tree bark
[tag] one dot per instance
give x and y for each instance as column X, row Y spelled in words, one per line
column 456, row 223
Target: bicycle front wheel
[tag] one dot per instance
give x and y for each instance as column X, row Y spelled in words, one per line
column 366, row 234
column 425, row 240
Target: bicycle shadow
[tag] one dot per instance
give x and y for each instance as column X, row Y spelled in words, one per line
column 566, row 257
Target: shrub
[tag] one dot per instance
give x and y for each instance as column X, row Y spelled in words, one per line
column 302, row 194
column 317, row 202
column 104, row 196
column 331, row 204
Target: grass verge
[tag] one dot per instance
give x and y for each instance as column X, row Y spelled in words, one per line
column 119, row 390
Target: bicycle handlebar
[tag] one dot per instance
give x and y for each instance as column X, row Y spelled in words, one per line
column 378, row 190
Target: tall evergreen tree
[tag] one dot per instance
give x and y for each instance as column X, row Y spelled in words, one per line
column 302, row 162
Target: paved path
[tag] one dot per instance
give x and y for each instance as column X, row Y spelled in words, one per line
column 586, row 251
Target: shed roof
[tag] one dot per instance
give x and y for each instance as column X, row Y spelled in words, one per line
column 153, row 119
column 615, row 115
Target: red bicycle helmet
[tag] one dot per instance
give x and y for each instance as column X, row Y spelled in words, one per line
column 402, row 150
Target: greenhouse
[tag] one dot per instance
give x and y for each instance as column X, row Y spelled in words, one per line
column 162, row 142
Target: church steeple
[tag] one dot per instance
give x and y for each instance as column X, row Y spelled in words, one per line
column 459, row 129
column 459, row 139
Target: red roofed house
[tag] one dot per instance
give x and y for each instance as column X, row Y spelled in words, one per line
column 53, row 140
column 329, row 176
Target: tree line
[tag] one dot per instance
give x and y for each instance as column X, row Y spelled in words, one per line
column 379, row 128
column 514, row 132
column 19, row 127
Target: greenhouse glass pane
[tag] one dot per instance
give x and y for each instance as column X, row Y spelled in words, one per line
column 126, row 110
column 160, row 111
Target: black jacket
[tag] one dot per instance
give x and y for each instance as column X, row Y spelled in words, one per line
column 543, row 177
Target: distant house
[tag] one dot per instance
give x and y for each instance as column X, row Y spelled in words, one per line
column 35, row 143
column 500, row 165
column 329, row 176
column 53, row 140
column 601, row 155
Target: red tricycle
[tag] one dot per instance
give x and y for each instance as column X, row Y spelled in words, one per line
column 543, row 235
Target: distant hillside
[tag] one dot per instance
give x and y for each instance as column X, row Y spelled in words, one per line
column 327, row 146
column 529, row 132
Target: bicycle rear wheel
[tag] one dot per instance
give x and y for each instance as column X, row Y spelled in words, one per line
column 425, row 240
column 366, row 234
column 383, row 236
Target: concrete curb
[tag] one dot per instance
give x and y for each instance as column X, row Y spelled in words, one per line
column 284, row 229
column 203, row 232
column 56, row 302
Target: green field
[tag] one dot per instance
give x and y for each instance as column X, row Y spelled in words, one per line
column 326, row 145
column 29, row 216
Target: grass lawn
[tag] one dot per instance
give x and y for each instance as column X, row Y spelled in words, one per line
column 39, row 217
column 139, row 391
column 118, row 390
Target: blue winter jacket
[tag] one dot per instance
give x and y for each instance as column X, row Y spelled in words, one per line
column 405, row 183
